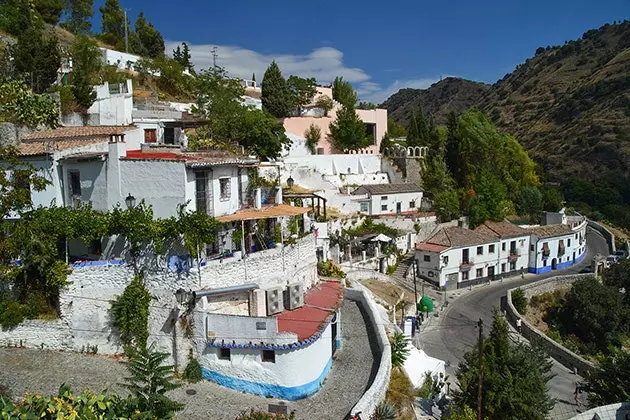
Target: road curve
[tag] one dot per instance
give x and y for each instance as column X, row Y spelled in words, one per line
column 456, row 332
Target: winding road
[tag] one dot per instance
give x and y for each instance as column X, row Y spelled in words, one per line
column 456, row 331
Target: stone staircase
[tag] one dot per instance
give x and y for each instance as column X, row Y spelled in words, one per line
column 403, row 268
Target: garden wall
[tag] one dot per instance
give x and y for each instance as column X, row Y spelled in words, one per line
column 375, row 394
column 563, row 355
column 85, row 304
column 608, row 235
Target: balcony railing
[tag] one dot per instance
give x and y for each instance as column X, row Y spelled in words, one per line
column 466, row 265
column 514, row 254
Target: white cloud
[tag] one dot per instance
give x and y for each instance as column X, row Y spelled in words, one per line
column 324, row 64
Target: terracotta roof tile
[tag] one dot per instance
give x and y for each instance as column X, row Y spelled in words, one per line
column 277, row 210
column 194, row 159
column 424, row 246
column 453, row 237
column 387, row 189
column 551, row 230
column 33, row 148
column 79, row 132
column 502, row 229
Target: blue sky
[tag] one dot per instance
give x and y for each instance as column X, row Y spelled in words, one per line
column 380, row 46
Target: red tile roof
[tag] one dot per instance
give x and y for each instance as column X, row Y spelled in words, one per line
column 456, row 236
column 79, row 132
column 320, row 304
column 424, row 246
column 194, row 159
column 502, row 229
column 33, row 148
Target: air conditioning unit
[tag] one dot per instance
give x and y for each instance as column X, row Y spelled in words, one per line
column 275, row 303
column 294, row 296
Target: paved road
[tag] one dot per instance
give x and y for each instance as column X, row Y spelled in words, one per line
column 456, row 331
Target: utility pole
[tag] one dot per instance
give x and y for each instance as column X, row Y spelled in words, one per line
column 415, row 291
column 126, row 33
column 214, row 57
column 480, row 391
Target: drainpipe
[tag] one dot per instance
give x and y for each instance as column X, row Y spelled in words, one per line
column 243, row 247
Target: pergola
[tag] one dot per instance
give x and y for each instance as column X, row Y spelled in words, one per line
column 292, row 196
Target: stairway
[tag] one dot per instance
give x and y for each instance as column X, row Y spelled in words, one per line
column 403, row 268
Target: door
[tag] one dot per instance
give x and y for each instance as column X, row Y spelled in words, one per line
column 554, row 264
column 333, row 330
column 573, row 256
column 491, row 273
column 398, row 208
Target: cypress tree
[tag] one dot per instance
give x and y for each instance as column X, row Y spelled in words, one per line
column 413, row 136
column 276, row 97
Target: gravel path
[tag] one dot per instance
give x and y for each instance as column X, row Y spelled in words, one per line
column 353, row 370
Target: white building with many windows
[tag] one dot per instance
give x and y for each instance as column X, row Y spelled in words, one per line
column 388, row 199
column 554, row 247
column 513, row 254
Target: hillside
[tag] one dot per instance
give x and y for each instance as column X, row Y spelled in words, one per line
column 569, row 105
column 450, row 94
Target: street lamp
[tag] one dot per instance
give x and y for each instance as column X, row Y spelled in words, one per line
column 130, row 201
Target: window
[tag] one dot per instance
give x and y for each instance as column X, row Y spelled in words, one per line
column 201, row 191
column 464, row 275
column 503, row 246
column 75, row 184
column 169, row 135
column 320, row 150
column 568, row 242
column 576, row 236
column 545, row 249
column 479, row 250
column 365, row 207
column 412, row 204
column 383, row 198
column 384, row 207
column 491, row 249
column 224, row 186
column 531, row 247
column 225, row 354
column 150, row 135
column 512, row 265
column 269, row 356
column 503, row 267
column 479, row 272
column 427, row 258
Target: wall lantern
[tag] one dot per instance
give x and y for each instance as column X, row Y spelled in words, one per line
column 182, row 296
column 130, row 201
column 290, row 182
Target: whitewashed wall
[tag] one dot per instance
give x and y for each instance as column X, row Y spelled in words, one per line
column 337, row 164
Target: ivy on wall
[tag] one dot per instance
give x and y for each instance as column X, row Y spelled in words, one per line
column 130, row 313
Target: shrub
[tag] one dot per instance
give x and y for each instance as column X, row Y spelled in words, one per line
column 400, row 349
column 312, row 135
column 519, row 301
column 192, row 372
column 12, row 313
column 384, row 411
column 130, row 312
column 330, row 269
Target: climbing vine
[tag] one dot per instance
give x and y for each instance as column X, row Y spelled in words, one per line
column 130, row 312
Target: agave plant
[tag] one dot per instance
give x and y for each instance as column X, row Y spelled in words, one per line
column 384, row 411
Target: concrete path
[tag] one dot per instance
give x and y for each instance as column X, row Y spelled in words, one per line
column 454, row 332
column 354, row 367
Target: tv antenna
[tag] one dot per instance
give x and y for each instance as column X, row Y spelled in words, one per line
column 214, row 56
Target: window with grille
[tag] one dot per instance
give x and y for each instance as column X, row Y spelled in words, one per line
column 225, row 190
column 201, row 191
column 75, row 183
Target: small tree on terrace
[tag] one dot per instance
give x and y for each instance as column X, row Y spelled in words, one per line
column 348, row 131
column 343, row 93
column 197, row 229
column 87, row 62
column 312, row 135
column 136, row 226
column 301, row 90
column 324, row 102
column 276, row 97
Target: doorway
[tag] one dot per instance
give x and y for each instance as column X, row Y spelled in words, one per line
column 573, row 257
column 333, row 330
column 554, row 264
column 398, row 208
column 491, row 273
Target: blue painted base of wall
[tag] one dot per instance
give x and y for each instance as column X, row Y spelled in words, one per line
column 560, row 266
column 338, row 344
column 269, row 390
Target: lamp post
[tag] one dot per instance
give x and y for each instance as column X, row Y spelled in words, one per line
column 130, row 201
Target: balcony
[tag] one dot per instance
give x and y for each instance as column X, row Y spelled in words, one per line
column 513, row 255
column 466, row 265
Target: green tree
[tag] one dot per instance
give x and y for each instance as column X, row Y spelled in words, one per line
column 37, row 58
column 183, row 57
column 149, row 382
column 519, row 301
column 301, row 91
column 150, row 37
column 50, row 10
column 324, row 102
column 262, row 134
column 395, row 129
column 490, row 200
column 112, row 23
column 79, row 15
column 136, row 226
column 312, row 135
column 87, row 62
column 366, row 105
column 446, row 204
column 514, row 378
column 197, row 230
column 596, row 314
column 413, row 135
column 343, row 92
column 609, row 383
column 276, row 97
column 618, row 276
column 552, row 199
column 348, row 131
column 531, row 202
column 130, row 313
column 20, row 105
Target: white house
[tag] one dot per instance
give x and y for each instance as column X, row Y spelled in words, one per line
column 382, row 199
column 455, row 256
column 558, row 246
column 513, row 253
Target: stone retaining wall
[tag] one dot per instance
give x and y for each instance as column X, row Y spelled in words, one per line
column 375, row 394
column 608, row 235
column 563, row 355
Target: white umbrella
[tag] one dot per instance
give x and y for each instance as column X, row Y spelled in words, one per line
column 382, row 238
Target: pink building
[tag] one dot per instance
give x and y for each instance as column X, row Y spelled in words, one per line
column 375, row 120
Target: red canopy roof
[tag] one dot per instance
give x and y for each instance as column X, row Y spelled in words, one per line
column 320, row 304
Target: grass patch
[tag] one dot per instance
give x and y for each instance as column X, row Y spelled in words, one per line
column 401, row 394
